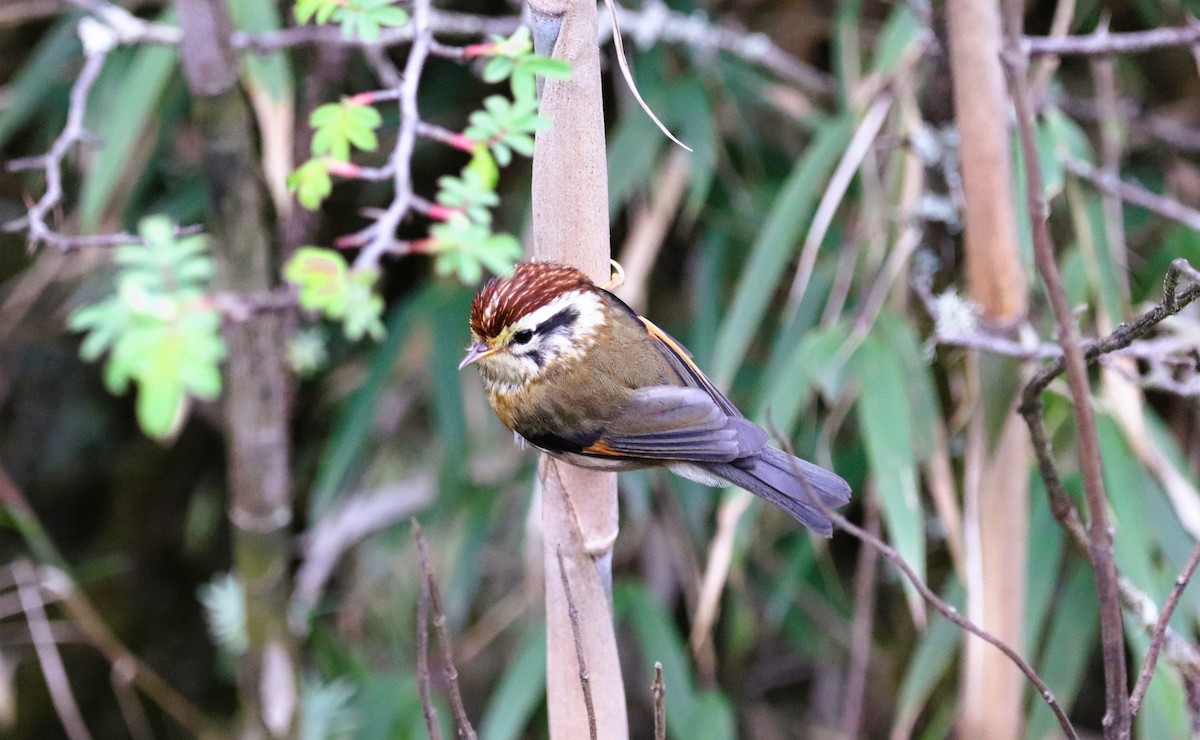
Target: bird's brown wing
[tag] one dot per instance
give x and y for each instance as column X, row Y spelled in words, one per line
column 681, row 362
column 670, row 422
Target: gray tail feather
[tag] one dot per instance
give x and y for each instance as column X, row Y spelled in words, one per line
column 773, row 476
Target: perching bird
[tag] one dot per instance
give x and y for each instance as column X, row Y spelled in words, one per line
column 579, row 375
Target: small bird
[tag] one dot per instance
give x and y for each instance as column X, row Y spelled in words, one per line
column 575, row 372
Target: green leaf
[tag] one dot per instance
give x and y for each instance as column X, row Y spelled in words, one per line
column 1069, row 642
column 342, row 125
column 519, row 691
column 122, row 120
column 26, row 90
column 928, row 664
column 161, row 404
column 887, row 427
column 311, row 183
column 775, row 245
column 320, row 275
column 306, row 9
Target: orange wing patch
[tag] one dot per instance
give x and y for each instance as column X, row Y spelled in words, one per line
column 689, row 371
column 600, row 448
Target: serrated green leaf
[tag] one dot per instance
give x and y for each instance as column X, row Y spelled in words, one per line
column 498, row 69
column 161, row 405
column 556, row 69
column 321, row 277
column 391, row 17
column 311, row 183
column 306, row 9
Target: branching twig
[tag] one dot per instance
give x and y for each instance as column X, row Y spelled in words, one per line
column 585, row 681
column 946, row 610
column 1160, row 628
column 952, row 614
column 382, row 233
column 1100, row 540
column 1136, row 42
column 1134, row 193
column 439, row 622
column 97, row 44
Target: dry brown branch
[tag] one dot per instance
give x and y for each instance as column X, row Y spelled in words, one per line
column 1135, row 42
column 579, row 508
column 1129, row 192
column 1112, row 635
column 864, row 619
column 423, row 676
column 1158, row 635
column 946, row 610
column 121, row 677
column 585, row 681
column 439, row 622
column 1181, row 653
column 53, row 669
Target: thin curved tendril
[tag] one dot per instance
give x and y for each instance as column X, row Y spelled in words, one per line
column 624, row 65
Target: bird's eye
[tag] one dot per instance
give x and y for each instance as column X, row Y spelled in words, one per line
column 523, row 336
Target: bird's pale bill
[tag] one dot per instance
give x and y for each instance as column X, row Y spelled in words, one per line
column 476, row 352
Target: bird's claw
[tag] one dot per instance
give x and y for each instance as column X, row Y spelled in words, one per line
column 617, row 279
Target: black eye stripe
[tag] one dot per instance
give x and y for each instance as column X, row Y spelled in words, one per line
column 563, row 318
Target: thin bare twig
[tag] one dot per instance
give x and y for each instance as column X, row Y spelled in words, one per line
column 864, row 618
column 1133, row 193
column 121, row 676
column 53, row 669
column 354, row 519
column 585, row 680
column 946, row 610
column 1165, row 129
column 423, row 677
column 1135, row 42
column 655, row 23
column 952, row 614
column 659, row 692
column 381, row 234
column 1112, row 631
column 51, row 163
column 465, row 729
column 1160, row 628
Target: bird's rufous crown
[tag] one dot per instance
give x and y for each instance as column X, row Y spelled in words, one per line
column 504, row 300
